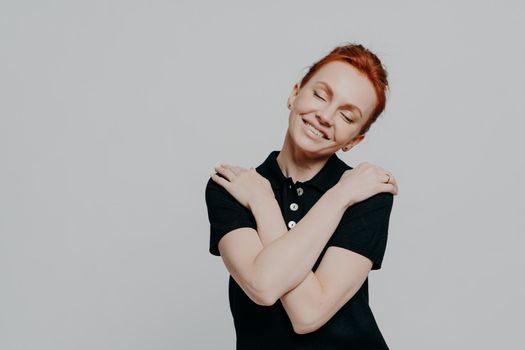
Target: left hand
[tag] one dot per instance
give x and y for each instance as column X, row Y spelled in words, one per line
column 245, row 185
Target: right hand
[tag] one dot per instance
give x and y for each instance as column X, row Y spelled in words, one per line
column 364, row 181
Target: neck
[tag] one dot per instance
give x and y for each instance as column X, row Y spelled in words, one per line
column 297, row 164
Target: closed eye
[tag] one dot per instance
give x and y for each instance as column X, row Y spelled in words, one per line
column 315, row 93
column 348, row 119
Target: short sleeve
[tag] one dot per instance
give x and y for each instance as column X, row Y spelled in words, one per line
column 364, row 228
column 225, row 214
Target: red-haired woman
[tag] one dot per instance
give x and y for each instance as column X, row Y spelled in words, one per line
column 300, row 233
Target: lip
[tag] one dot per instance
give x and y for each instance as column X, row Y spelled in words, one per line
column 315, row 126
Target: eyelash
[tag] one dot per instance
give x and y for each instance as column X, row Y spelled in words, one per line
column 344, row 116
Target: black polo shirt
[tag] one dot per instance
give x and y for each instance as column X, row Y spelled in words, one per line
column 362, row 229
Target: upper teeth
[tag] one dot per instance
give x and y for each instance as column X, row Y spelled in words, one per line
column 314, row 130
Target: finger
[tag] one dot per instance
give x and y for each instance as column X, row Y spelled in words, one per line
column 382, row 176
column 230, row 172
column 234, row 168
column 394, row 182
column 220, row 180
column 238, row 169
column 396, row 191
column 388, row 188
column 386, row 175
column 229, row 166
column 226, row 172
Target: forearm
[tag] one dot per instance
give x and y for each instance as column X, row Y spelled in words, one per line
column 288, row 256
column 300, row 303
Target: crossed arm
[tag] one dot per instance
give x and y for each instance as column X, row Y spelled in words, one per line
column 310, row 299
column 318, row 296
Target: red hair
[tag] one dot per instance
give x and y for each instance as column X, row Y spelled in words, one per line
column 365, row 62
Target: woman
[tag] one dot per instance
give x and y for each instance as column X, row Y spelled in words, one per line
column 300, row 233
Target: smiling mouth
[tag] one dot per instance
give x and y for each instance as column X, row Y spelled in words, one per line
column 314, row 131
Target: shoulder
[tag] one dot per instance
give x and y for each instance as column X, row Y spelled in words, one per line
column 217, row 196
column 215, row 192
column 341, row 165
column 212, row 185
column 380, row 202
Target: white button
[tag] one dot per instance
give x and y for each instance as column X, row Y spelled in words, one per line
column 294, row 206
column 291, row 224
column 299, row 191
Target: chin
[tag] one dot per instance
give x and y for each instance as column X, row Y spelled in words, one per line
column 305, row 144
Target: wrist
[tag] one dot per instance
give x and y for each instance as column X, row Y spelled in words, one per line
column 339, row 197
column 261, row 200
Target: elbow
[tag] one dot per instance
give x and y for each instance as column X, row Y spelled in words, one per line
column 266, row 300
column 262, row 298
column 299, row 329
column 306, row 322
column 304, row 328
column 256, row 295
column 262, row 294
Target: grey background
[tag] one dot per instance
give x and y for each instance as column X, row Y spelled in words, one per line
column 114, row 113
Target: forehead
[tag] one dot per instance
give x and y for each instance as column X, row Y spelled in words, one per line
column 348, row 85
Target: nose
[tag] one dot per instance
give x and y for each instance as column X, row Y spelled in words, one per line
column 324, row 118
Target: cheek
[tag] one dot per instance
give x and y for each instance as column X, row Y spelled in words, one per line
column 303, row 105
column 345, row 132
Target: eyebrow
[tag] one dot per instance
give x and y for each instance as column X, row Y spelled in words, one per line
column 349, row 106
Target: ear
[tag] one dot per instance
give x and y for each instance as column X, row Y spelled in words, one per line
column 293, row 94
column 353, row 142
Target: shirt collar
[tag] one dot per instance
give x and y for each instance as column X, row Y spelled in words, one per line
column 323, row 180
